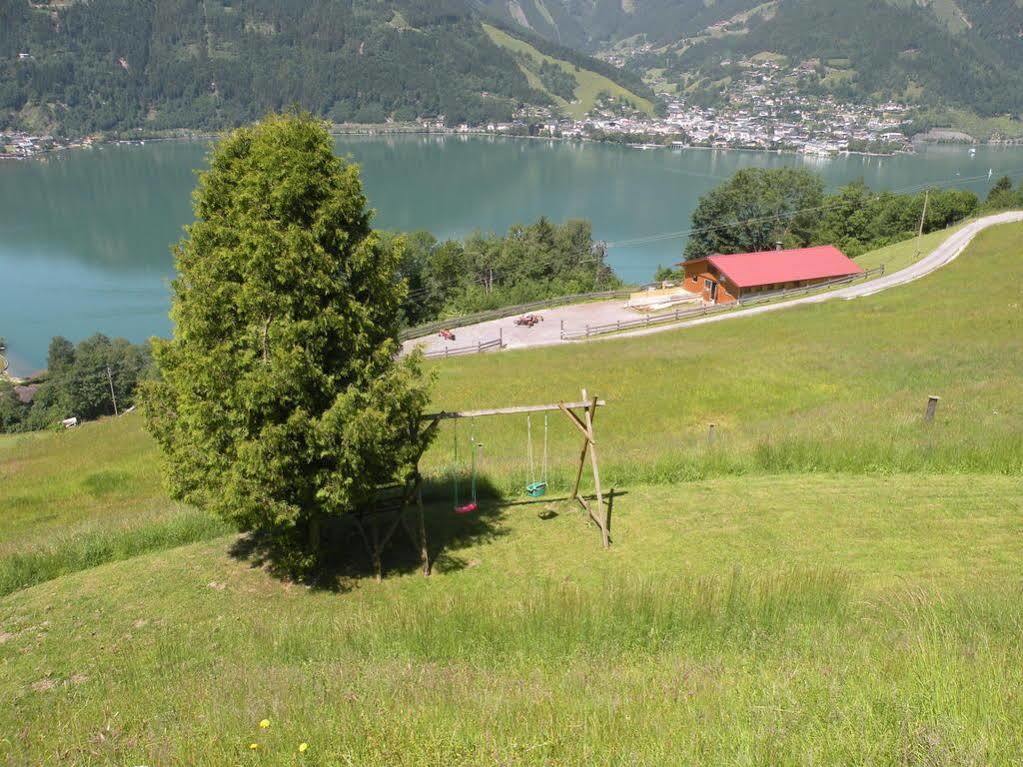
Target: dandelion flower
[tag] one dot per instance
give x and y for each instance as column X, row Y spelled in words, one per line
column 264, row 724
column 253, row 746
column 303, row 747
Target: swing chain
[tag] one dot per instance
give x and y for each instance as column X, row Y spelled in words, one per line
column 529, row 448
column 544, row 478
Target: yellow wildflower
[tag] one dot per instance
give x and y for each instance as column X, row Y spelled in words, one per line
column 253, row 746
column 303, row 747
column 264, row 724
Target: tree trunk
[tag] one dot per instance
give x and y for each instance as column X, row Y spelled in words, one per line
column 314, row 535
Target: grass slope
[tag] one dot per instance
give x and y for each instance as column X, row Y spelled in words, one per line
column 770, row 621
column 832, row 582
column 75, row 499
column 588, row 84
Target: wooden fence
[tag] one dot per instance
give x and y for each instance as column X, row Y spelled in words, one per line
column 477, row 348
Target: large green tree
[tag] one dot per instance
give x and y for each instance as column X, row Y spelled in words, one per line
column 1002, row 196
column 756, row 209
column 281, row 399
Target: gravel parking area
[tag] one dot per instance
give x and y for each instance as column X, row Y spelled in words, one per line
column 543, row 333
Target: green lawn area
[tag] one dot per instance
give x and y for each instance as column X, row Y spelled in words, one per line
column 831, row 582
column 773, row 620
column 589, row 84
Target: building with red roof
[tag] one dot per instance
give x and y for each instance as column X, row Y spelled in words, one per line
column 723, row 278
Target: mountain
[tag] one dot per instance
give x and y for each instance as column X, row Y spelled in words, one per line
column 115, row 65
column 593, row 25
column 960, row 53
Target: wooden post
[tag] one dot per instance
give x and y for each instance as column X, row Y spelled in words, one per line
column 377, row 564
column 602, row 513
column 582, row 455
column 932, row 405
column 110, row 380
column 424, row 552
column 314, row 534
column 710, row 435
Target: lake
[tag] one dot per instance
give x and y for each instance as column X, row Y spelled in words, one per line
column 85, row 235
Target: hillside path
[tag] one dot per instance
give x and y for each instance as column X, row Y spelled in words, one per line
column 944, row 254
column 575, row 316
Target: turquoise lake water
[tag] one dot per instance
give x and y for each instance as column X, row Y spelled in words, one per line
column 85, row 235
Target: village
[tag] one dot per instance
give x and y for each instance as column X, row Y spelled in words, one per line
column 20, row 145
column 763, row 107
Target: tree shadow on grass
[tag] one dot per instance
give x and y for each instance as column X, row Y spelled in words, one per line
column 346, row 552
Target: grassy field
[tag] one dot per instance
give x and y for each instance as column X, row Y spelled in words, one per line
column 588, row 84
column 76, row 499
column 833, row 387
column 831, row 582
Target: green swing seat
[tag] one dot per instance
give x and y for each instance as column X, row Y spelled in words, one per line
column 536, row 489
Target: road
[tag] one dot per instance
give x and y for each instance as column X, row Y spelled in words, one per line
column 548, row 332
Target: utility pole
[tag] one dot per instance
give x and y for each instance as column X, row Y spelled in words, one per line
column 923, row 216
column 110, row 380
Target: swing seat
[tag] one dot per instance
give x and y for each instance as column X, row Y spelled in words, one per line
column 467, row 508
column 536, row 489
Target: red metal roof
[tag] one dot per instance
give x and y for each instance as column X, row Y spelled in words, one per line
column 770, row 267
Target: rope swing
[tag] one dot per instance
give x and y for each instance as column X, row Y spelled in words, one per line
column 472, row 505
column 536, row 489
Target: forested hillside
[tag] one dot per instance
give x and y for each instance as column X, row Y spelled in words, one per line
column 963, row 53
column 594, row 24
column 207, row 64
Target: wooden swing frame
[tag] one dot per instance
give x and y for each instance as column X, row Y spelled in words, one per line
column 582, row 415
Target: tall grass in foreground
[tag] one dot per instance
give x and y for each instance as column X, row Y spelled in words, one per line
column 623, row 616
column 753, row 665
column 71, row 552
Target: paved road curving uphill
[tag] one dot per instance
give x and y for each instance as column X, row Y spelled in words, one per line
column 945, row 253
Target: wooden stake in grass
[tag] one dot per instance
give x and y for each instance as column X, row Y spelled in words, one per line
column 710, row 435
column 932, row 405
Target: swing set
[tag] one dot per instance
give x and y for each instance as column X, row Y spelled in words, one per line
column 387, row 513
column 583, row 420
column 535, row 488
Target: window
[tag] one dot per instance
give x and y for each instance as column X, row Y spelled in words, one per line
column 695, row 278
column 708, row 284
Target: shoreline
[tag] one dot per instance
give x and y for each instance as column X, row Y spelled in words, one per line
column 376, row 131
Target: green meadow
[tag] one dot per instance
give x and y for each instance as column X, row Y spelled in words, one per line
column 589, row 85
column 830, row 581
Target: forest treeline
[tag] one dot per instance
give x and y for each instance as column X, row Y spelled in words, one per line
column 82, row 380
column 120, row 65
column 758, row 209
column 487, row 271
